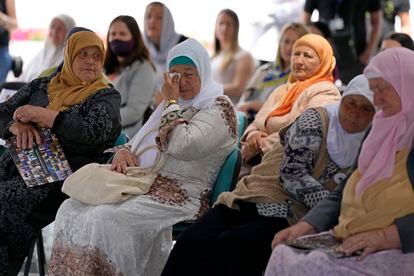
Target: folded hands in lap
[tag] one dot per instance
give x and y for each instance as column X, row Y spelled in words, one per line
column 371, row 241
column 252, row 146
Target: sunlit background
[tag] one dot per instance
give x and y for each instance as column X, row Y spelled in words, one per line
column 192, row 18
column 260, row 20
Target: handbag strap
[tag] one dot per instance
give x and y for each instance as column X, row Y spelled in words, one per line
column 142, row 140
column 158, row 162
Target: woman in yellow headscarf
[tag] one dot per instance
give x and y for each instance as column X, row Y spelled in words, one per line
column 310, row 85
column 81, row 110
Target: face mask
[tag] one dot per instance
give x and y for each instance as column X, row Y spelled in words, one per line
column 122, row 48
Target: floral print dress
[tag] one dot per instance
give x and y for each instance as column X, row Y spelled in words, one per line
column 134, row 237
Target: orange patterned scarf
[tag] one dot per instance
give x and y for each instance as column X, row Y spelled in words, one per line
column 324, row 73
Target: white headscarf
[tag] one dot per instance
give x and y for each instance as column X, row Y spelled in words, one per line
column 50, row 55
column 209, row 91
column 342, row 146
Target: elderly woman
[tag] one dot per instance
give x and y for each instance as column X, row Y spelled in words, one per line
column 273, row 74
column 128, row 65
column 196, row 129
column 294, row 176
column 373, row 211
column 81, row 110
column 51, row 55
column 310, row 84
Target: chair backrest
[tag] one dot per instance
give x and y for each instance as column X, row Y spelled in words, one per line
column 12, row 85
column 122, row 139
column 227, row 177
column 241, row 125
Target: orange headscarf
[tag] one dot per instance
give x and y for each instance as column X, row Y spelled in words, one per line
column 324, row 73
column 66, row 89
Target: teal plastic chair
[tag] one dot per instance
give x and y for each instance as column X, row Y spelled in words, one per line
column 121, row 140
column 241, row 125
column 226, row 181
column 227, row 177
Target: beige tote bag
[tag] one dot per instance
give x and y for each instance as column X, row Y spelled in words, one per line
column 96, row 184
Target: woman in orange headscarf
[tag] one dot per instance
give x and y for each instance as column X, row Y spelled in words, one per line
column 310, row 84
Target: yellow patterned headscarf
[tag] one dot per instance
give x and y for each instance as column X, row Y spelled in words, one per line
column 66, row 89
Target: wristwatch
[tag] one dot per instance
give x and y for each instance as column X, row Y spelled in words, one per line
column 167, row 103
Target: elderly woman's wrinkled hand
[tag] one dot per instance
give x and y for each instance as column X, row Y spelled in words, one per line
column 252, row 145
column 35, row 114
column 371, row 241
column 171, row 87
column 123, row 159
column 292, row 232
column 25, row 134
column 26, row 113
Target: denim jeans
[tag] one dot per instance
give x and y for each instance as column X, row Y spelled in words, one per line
column 5, row 63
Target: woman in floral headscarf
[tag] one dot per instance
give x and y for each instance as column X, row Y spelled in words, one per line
column 373, row 212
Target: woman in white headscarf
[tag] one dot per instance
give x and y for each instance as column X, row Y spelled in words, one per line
column 196, row 128
column 314, row 155
column 160, row 36
column 51, row 54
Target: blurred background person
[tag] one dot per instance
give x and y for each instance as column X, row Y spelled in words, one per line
column 396, row 8
column 129, row 67
column 160, row 36
column 231, row 65
column 8, row 23
column 51, row 54
column 397, row 40
column 272, row 74
column 347, row 21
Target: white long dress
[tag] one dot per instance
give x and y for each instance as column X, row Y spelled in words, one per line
column 134, row 237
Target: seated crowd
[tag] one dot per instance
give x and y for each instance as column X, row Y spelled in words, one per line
column 316, row 161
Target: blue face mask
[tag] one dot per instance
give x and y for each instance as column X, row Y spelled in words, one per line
column 122, row 48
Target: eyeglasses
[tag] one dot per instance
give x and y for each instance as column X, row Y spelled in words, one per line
column 84, row 54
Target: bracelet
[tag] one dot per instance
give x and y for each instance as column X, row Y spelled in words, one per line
column 167, row 103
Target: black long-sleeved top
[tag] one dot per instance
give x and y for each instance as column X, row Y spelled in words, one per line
column 84, row 130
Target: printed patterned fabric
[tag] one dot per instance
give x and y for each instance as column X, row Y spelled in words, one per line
column 302, row 142
column 85, row 261
column 286, row 261
column 134, row 237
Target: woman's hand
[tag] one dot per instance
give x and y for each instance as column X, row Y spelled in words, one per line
column 252, row 145
column 171, row 88
column 35, row 114
column 27, row 113
column 123, row 159
column 371, row 241
column 25, row 134
column 299, row 229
